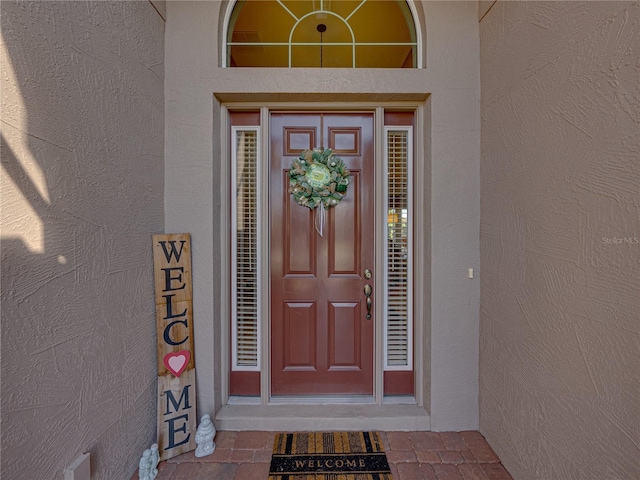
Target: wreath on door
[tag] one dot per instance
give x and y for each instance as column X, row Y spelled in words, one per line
column 318, row 177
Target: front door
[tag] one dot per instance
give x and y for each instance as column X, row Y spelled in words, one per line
column 321, row 338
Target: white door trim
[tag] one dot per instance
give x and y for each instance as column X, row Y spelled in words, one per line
column 225, row 195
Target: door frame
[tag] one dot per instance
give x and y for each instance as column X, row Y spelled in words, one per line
column 421, row 242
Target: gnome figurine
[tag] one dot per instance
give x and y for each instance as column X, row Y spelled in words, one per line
column 204, row 437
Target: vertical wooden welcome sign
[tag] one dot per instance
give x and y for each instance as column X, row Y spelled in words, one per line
column 177, row 419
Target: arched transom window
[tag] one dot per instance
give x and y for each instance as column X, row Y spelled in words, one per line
column 321, row 33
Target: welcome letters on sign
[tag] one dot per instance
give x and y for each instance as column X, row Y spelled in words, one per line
column 174, row 332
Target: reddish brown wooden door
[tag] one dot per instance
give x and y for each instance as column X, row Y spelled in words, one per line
column 321, row 341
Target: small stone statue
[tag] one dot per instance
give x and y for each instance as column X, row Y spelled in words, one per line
column 148, row 465
column 155, row 459
column 144, row 466
column 204, row 437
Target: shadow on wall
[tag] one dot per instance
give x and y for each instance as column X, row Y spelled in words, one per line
column 82, row 192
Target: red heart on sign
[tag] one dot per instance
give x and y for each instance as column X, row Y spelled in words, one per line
column 176, row 362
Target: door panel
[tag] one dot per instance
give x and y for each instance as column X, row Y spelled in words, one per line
column 298, row 340
column 321, row 341
column 344, row 336
column 344, row 234
column 299, row 239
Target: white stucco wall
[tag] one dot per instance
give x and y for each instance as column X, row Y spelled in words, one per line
column 193, row 164
column 82, row 192
column 560, row 325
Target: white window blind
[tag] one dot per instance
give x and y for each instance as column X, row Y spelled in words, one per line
column 398, row 277
column 245, row 262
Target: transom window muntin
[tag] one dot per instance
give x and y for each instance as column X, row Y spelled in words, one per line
column 322, row 33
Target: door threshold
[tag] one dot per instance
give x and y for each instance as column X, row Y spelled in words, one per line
column 323, row 400
column 322, row 417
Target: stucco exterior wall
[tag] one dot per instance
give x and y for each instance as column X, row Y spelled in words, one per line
column 560, row 230
column 82, row 192
column 195, row 83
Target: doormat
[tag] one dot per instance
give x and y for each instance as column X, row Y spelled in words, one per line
column 329, row 456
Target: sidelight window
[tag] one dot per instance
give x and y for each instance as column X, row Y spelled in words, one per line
column 398, row 324
column 245, row 261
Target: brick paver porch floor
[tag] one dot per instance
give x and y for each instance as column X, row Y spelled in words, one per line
column 411, row 455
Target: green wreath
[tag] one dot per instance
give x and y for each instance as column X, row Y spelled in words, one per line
column 318, row 177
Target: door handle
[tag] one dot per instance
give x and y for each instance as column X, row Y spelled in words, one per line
column 368, row 290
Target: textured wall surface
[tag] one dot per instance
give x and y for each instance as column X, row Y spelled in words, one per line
column 194, row 133
column 82, row 192
column 560, row 238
